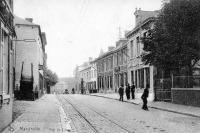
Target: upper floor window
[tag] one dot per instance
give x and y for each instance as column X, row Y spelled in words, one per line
column 117, row 58
column 131, row 47
column 107, row 64
column 125, row 55
column 111, row 62
column 121, row 57
column 138, row 45
column 2, row 35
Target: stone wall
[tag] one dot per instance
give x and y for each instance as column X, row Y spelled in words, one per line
column 186, row 96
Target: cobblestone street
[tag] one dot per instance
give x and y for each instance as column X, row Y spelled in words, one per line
column 105, row 115
column 89, row 114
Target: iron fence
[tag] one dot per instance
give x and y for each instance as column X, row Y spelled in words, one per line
column 163, row 89
column 186, row 81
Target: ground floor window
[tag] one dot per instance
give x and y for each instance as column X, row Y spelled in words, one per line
column 142, row 77
column 132, row 77
column 102, row 82
column 125, row 79
column 122, row 79
column 1, row 68
column 136, row 79
column 111, row 81
column 147, row 75
column 94, row 84
column 5, row 55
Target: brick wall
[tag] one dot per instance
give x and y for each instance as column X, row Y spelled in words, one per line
column 186, row 96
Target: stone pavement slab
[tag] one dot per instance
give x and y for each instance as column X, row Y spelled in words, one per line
column 165, row 106
column 45, row 115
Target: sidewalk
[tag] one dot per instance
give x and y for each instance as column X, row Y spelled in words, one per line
column 165, row 106
column 45, row 115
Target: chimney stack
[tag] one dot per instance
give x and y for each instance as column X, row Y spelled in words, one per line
column 29, row 19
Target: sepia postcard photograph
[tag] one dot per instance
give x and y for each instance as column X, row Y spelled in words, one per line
column 99, row 66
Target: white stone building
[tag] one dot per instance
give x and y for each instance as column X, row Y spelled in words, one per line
column 139, row 73
column 30, row 54
column 87, row 72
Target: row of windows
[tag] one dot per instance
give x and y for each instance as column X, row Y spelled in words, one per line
column 105, row 65
column 120, row 58
column 88, row 75
column 140, row 77
column 106, row 81
column 137, row 49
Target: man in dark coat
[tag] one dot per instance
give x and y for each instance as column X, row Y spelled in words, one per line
column 133, row 91
column 73, row 91
column 121, row 93
column 128, row 91
column 144, row 97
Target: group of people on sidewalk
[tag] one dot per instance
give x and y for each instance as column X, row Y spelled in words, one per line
column 130, row 90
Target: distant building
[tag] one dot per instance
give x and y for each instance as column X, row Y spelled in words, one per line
column 86, row 77
column 7, row 62
column 58, row 88
column 30, row 58
column 63, row 84
column 93, row 82
column 76, row 75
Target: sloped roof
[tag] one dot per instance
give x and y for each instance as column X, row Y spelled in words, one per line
column 21, row 21
column 18, row 20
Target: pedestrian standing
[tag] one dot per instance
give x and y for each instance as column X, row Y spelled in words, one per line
column 128, row 91
column 121, row 93
column 73, row 91
column 145, row 96
column 133, row 91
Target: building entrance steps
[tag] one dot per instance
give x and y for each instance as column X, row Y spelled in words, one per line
column 45, row 115
column 165, row 106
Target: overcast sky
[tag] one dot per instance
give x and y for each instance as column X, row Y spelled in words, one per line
column 79, row 29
